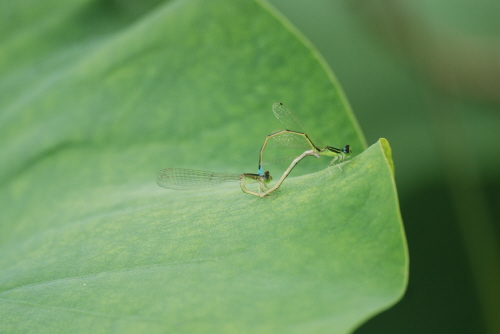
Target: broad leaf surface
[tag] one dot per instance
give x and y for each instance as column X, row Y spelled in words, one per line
column 97, row 97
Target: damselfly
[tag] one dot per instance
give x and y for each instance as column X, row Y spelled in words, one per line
column 292, row 136
column 191, row 179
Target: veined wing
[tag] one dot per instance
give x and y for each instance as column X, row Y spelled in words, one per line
column 290, row 122
column 189, row 179
column 291, row 140
column 287, row 117
column 281, row 159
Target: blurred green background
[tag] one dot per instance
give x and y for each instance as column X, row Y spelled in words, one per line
column 426, row 76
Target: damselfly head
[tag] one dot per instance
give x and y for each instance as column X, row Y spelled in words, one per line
column 267, row 177
column 347, row 149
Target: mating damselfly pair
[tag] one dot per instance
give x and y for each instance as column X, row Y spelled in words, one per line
column 292, row 135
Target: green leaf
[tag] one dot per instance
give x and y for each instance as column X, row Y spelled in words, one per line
column 98, row 97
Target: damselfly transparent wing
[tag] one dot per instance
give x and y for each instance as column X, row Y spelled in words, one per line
column 286, row 117
column 190, row 179
column 290, row 122
column 279, row 160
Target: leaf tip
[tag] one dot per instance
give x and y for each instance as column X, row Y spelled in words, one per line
column 384, row 143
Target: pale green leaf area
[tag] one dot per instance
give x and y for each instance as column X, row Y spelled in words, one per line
column 98, row 100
